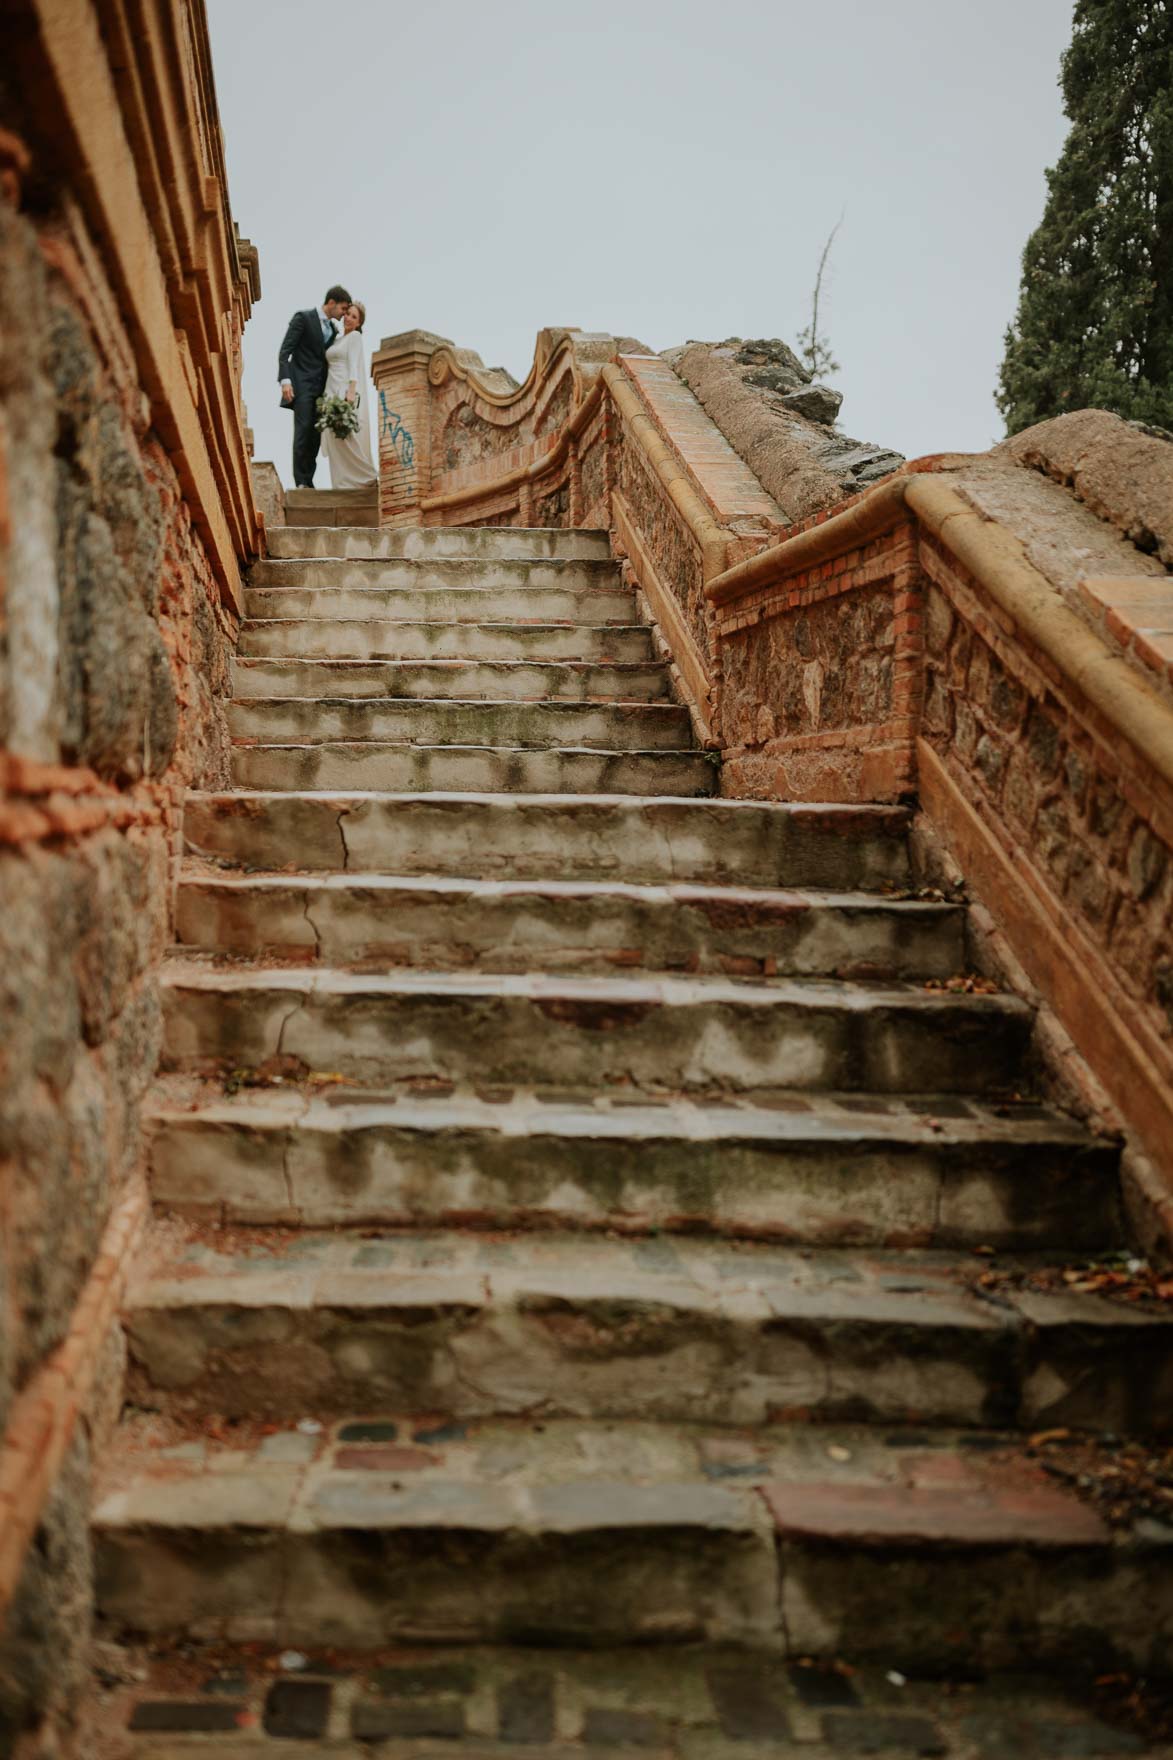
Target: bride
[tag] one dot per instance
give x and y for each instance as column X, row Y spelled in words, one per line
column 351, row 464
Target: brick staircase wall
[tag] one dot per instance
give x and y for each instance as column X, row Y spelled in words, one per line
column 125, row 515
column 991, row 637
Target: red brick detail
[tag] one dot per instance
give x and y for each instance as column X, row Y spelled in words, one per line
column 1137, row 611
column 386, row 1458
column 898, row 1514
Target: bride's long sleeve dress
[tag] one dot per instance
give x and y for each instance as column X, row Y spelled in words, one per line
column 351, row 464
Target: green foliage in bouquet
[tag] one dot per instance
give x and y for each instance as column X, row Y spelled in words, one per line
column 338, row 416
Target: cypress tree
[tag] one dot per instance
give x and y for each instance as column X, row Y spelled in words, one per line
column 1094, row 326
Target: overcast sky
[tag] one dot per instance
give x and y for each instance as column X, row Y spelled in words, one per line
column 661, row 170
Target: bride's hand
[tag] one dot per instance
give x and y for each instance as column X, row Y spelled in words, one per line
column 350, row 397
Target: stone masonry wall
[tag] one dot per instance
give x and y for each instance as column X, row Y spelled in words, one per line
column 820, row 677
column 1016, row 743
column 114, row 666
column 668, row 539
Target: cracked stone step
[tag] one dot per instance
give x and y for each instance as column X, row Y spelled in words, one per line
column 610, row 727
column 542, row 837
column 934, row 1172
column 368, row 638
column 584, row 607
column 523, row 681
column 588, row 926
column 462, row 543
column 811, row 1542
column 371, row 764
column 649, row 1033
column 490, row 575
column 467, row 1540
column 386, row 1530
column 584, row 1325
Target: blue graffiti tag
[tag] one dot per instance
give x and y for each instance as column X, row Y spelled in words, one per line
column 399, row 436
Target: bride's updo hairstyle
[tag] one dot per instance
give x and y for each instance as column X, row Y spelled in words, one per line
column 356, row 305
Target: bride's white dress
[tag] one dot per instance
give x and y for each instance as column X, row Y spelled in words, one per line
column 351, row 464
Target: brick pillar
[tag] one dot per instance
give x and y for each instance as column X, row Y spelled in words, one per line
column 403, row 423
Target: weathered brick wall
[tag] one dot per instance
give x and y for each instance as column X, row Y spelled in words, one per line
column 114, row 653
column 119, row 573
column 1066, row 799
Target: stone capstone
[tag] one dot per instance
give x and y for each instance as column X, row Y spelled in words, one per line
column 761, row 398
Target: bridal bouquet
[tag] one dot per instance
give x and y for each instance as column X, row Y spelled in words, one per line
column 339, row 416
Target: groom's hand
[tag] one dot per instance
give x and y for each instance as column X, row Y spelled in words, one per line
column 287, row 393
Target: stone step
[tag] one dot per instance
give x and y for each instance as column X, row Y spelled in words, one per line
column 567, row 925
column 332, row 507
column 557, row 837
column 610, row 727
column 652, row 1034
column 521, row 681
column 442, row 574
column 452, row 768
column 584, row 607
column 643, row 1701
column 316, row 638
column 579, row 1325
column 825, row 1169
column 820, row 1543
column 463, row 543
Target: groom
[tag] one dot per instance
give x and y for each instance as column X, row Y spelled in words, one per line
column 301, row 368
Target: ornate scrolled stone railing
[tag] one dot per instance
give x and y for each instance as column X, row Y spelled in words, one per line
column 595, row 437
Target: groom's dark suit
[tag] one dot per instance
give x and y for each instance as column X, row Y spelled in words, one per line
column 302, row 360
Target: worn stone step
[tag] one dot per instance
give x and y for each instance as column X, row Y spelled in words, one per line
column 823, row 1543
column 650, row 1033
column 610, row 727
column 544, row 837
column 523, row 681
column 579, row 925
column 493, row 576
column 584, row 607
column 463, row 543
column 317, row 638
column 492, row 769
column 566, row 1556
column 642, row 1701
column 834, row 1170
column 583, row 1325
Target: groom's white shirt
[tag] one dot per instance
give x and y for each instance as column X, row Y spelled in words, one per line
column 323, row 320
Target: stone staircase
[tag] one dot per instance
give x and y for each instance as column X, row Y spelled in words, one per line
column 568, row 1184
